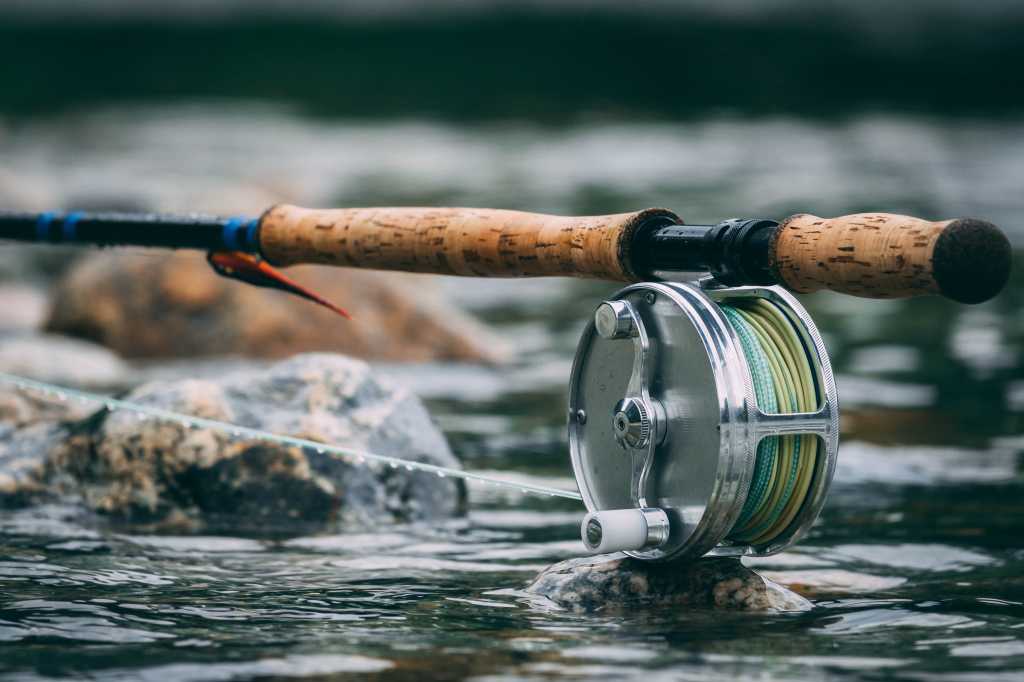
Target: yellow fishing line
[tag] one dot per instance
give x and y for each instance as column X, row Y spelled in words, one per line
column 788, row 457
column 782, row 363
column 808, row 401
column 764, row 391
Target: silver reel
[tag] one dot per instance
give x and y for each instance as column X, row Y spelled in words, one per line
column 664, row 423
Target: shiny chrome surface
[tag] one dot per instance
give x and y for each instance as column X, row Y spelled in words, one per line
column 632, row 423
column 615, row 320
column 657, row 527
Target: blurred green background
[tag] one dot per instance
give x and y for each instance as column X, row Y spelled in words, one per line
column 542, row 61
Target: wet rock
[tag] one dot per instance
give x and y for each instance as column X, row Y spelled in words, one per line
column 175, row 306
column 166, row 474
column 615, row 581
column 31, row 427
column 829, row 583
column 22, row 408
column 61, row 360
column 23, row 461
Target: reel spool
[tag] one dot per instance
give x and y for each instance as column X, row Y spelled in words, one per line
column 702, row 420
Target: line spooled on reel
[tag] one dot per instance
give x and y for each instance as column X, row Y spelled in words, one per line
column 703, row 414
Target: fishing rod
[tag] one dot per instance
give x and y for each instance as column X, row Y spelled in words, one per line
column 703, row 414
column 876, row 255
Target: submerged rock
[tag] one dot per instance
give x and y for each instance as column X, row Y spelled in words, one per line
column 176, row 306
column 615, row 581
column 167, row 474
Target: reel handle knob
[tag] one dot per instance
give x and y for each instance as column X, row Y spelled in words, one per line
column 624, row 530
column 884, row 255
column 614, row 320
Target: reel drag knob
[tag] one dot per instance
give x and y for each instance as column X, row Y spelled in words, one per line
column 631, row 423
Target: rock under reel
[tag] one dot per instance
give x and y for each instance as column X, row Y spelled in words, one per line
column 702, row 420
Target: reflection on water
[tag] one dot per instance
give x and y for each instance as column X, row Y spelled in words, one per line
column 915, row 567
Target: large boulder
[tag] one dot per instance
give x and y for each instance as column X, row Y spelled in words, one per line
column 615, row 582
column 168, row 474
column 174, row 305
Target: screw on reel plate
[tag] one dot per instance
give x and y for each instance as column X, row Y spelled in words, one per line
column 671, row 457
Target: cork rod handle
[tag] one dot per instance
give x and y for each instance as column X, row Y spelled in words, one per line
column 883, row 255
column 456, row 241
column 877, row 255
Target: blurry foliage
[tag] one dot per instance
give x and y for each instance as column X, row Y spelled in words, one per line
column 549, row 66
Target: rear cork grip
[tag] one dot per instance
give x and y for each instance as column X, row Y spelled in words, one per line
column 882, row 255
column 455, row 241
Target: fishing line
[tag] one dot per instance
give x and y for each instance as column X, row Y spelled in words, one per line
column 348, row 455
column 783, row 383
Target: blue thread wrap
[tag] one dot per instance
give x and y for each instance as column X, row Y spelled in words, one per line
column 43, row 226
column 229, row 235
column 70, row 228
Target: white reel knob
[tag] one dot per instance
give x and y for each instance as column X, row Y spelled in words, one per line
column 624, row 530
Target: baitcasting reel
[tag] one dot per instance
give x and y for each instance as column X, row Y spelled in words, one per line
column 702, row 420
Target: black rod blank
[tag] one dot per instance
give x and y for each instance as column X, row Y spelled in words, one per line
column 207, row 233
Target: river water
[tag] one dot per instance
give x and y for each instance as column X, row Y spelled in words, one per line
column 915, row 567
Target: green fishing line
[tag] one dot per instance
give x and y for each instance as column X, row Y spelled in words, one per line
column 783, row 383
column 765, row 394
column 788, row 453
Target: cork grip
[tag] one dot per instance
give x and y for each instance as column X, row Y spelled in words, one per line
column 455, row 241
column 883, row 255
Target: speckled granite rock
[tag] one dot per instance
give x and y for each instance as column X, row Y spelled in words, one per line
column 30, row 429
column 615, row 581
column 23, row 458
column 174, row 305
column 20, row 409
column 167, row 475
